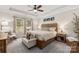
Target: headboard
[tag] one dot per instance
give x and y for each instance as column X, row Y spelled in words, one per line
column 50, row 25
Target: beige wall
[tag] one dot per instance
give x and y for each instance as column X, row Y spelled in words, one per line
column 65, row 21
column 10, row 19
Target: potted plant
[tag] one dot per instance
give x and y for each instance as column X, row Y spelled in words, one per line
column 76, row 23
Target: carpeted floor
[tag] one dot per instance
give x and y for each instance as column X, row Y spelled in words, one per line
column 55, row 47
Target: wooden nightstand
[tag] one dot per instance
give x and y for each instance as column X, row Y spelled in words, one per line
column 61, row 37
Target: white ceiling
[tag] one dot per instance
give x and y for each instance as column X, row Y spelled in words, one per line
column 48, row 9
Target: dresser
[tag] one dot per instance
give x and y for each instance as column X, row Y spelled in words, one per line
column 3, row 38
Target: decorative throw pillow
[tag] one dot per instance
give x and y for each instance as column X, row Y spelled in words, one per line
column 28, row 36
column 52, row 29
column 45, row 29
column 31, row 36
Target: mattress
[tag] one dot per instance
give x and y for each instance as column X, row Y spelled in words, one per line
column 44, row 35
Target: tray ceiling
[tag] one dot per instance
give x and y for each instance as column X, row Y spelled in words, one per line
column 48, row 9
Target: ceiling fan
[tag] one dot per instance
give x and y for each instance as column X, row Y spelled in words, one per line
column 36, row 8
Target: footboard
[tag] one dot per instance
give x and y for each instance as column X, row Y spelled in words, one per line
column 41, row 43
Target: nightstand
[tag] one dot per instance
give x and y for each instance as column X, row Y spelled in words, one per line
column 61, row 37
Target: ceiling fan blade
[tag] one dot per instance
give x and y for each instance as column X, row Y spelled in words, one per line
column 30, row 10
column 41, row 10
column 39, row 6
column 35, row 7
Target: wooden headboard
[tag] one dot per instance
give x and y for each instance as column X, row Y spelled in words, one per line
column 49, row 25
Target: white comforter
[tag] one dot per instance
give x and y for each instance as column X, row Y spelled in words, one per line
column 44, row 35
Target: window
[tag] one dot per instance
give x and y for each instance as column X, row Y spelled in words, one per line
column 29, row 25
column 5, row 26
column 21, row 25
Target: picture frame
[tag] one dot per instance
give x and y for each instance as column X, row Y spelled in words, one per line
column 49, row 19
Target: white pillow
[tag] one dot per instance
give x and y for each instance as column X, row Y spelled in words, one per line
column 45, row 29
column 52, row 29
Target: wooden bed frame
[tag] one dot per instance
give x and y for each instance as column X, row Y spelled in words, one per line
column 41, row 43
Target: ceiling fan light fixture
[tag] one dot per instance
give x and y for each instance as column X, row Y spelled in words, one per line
column 35, row 11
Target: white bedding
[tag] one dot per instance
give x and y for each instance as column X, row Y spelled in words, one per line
column 44, row 35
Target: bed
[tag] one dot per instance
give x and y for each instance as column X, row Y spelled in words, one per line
column 46, row 35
